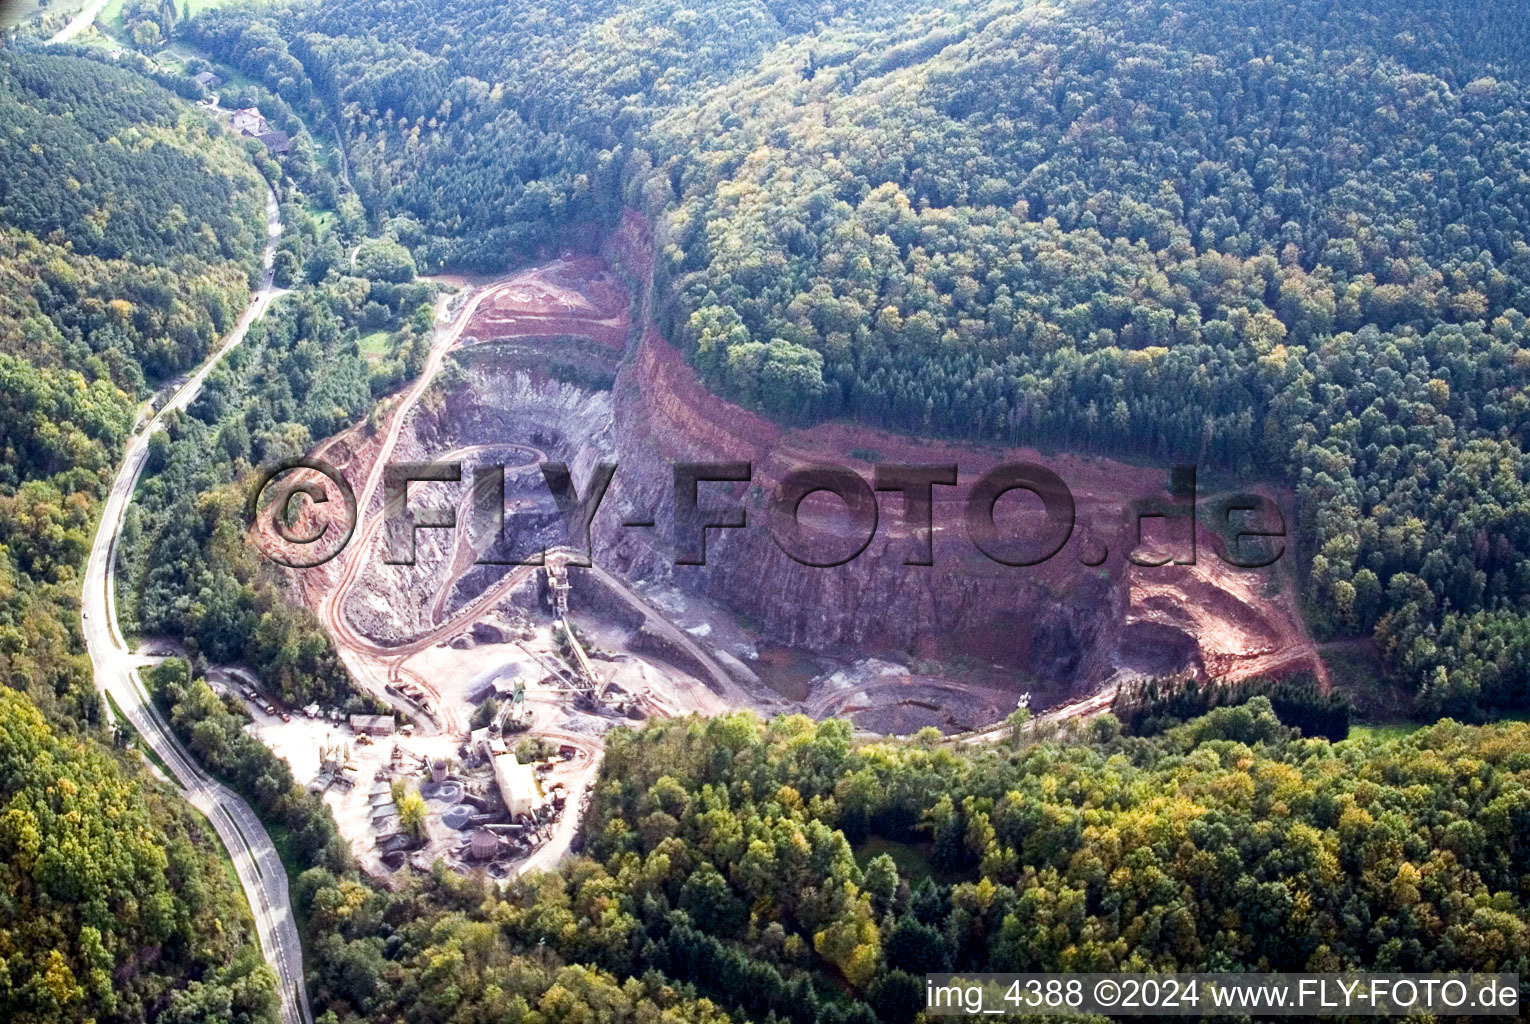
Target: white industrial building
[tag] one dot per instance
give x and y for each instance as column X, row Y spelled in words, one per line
column 517, row 785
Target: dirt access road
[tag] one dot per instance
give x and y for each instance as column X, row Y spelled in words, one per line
column 331, row 609
column 538, row 296
column 541, row 301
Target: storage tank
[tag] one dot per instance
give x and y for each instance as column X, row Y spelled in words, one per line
column 483, row 844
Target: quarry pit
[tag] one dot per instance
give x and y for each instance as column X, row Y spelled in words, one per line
column 558, row 363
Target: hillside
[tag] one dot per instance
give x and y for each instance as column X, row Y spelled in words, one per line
column 785, row 870
column 1285, row 248
column 116, row 907
column 1288, row 245
column 1180, row 232
column 128, row 235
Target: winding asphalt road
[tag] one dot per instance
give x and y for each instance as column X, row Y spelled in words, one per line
column 259, row 868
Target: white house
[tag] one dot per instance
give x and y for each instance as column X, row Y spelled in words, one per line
column 248, row 121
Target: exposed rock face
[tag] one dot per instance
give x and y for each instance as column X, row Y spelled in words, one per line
column 1060, row 627
column 1053, row 622
column 1070, row 622
column 488, row 633
column 492, row 415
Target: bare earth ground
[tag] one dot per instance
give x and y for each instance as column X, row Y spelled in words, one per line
column 1208, row 616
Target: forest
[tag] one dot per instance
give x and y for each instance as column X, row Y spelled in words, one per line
column 1180, row 231
column 1146, row 707
column 116, row 906
column 109, row 282
column 297, row 378
column 1287, row 245
column 128, row 239
column 782, row 871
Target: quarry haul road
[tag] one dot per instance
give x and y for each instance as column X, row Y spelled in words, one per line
column 260, row 870
column 331, row 610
